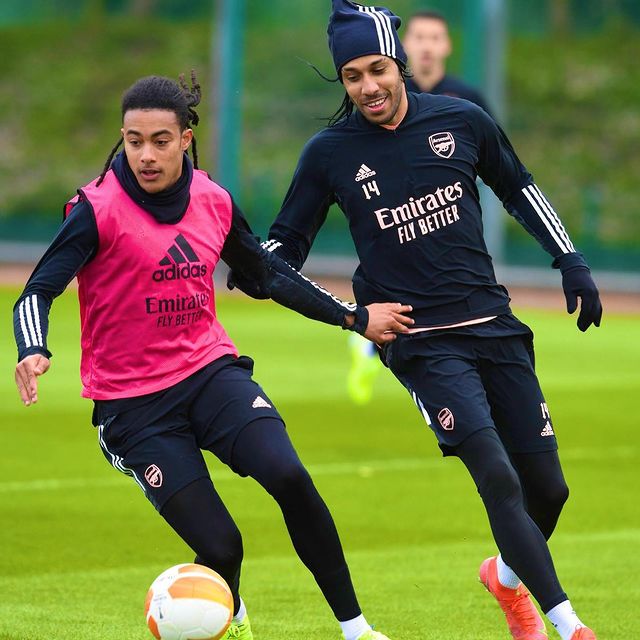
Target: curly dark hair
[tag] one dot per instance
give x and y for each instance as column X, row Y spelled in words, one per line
column 158, row 92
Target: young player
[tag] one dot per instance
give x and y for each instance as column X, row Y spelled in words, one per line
column 416, row 224
column 428, row 46
column 165, row 378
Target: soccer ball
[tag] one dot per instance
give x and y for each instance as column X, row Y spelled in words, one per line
column 188, row 602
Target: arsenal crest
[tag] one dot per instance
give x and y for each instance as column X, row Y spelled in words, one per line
column 445, row 417
column 442, row 144
column 153, row 475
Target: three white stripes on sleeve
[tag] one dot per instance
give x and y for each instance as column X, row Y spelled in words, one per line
column 272, row 245
column 30, row 321
column 549, row 218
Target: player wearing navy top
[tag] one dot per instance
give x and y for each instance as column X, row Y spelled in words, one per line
column 427, row 44
column 403, row 168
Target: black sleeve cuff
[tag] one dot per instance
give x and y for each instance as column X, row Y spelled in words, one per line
column 361, row 320
column 568, row 261
column 31, row 351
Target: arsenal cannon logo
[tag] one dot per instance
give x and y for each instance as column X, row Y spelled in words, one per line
column 442, row 144
column 445, row 418
column 153, row 476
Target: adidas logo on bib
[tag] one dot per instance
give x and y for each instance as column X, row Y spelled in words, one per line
column 261, row 403
column 180, row 263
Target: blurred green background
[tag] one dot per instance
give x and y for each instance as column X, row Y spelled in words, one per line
column 572, row 96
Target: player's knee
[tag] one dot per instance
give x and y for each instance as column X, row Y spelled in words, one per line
column 224, row 550
column 554, row 495
column 289, row 480
column 500, row 485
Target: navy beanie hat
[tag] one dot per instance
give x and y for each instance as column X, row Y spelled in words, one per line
column 355, row 30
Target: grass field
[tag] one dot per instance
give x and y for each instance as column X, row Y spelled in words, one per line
column 80, row 545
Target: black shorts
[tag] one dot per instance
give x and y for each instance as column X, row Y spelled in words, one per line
column 464, row 383
column 157, row 439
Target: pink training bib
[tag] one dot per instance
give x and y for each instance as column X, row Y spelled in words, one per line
column 147, row 301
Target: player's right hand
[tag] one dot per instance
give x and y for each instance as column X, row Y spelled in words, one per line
column 386, row 319
column 27, row 372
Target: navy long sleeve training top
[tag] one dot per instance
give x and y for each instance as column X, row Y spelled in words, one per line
column 411, row 201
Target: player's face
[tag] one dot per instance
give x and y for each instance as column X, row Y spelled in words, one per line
column 426, row 43
column 376, row 88
column 154, row 145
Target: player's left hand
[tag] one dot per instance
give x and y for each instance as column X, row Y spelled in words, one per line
column 386, row 319
column 578, row 283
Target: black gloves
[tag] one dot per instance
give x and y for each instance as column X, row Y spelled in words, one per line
column 577, row 282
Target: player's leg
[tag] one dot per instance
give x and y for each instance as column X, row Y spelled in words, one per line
column 524, row 422
column 198, row 515
column 441, row 373
column 525, row 427
column 185, row 497
column 150, row 440
column 264, row 452
column 544, row 487
column 521, row 543
column 236, row 420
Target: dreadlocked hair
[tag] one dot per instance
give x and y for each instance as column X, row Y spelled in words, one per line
column 158, row 92
column 346, row 107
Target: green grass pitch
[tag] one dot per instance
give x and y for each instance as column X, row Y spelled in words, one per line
column 80, row 545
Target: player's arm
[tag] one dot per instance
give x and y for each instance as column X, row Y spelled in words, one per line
column 302, row 214
column 305, row 205
column 260, row 273
column 73, row 246
column 501, row 169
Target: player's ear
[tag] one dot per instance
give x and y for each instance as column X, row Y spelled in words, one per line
column 187, row 137
column 449, row 48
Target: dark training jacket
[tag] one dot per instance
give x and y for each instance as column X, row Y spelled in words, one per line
column 412, row 205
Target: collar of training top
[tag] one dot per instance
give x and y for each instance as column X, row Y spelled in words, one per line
column 167, row 206
column 355, row 31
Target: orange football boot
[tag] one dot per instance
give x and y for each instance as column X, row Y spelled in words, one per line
column 583, row 633
column 525, row 623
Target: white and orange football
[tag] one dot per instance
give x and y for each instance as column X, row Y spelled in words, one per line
column 188, row 602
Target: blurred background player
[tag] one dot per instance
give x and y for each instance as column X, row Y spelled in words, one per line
column 416, row 224
column 427, row 44
column 166, row 380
